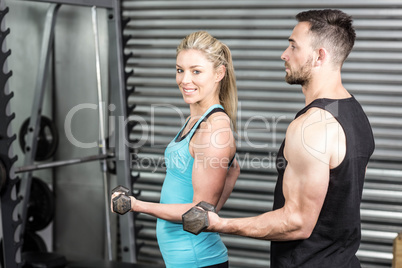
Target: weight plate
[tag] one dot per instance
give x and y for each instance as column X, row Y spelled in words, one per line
column 40, row 206
column 32, row 243
column 47, row 140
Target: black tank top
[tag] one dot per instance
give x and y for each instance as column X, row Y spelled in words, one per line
column 337, row 234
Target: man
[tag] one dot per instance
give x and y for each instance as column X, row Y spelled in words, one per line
column 315, row 220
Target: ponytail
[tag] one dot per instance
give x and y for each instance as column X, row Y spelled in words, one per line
column 228, row 88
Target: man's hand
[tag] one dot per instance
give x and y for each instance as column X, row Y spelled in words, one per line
column 214, row 222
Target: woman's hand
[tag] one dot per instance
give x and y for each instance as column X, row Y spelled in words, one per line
column 133, row 201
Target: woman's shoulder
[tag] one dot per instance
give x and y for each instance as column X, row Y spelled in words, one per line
column 217, row 128
column 217, row 120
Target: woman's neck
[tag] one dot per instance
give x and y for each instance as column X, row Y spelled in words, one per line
column 199, row 108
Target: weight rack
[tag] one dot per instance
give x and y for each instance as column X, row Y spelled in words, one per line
column 14, row 228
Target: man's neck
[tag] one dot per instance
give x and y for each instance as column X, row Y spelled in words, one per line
column 328, row 86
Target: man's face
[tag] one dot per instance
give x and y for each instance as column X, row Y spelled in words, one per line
column 298, row 56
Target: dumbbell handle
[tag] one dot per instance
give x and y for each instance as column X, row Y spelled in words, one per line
column 206, row 206
column 122, row 189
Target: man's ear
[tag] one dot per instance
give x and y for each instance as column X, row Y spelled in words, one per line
column 220, row 73
column 320, row 57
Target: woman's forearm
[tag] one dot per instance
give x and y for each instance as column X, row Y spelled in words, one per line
column 169, row 212
column 230, row 182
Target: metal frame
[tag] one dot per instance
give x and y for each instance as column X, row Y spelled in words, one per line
column 34, row 121
column 8, row 204
column 90, row 3
column 61, row 163
column 118, row 98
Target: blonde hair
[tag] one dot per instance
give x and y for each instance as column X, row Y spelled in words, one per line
column 219, row 54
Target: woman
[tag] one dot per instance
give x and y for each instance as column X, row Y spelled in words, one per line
column 200, row 160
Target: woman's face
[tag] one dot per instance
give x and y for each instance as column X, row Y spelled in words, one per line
column 196, row 77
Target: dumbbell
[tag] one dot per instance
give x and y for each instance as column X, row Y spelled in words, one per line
column 195, row 220
column 121, row 203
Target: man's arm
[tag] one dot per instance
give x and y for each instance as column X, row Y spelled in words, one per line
column 311, row 141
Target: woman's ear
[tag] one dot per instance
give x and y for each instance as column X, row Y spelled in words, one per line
column 220, row 73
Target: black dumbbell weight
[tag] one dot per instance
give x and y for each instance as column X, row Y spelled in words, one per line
column 195, row 220
column 122, row 202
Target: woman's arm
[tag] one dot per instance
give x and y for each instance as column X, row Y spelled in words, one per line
column 212, row 148
column 231, row 178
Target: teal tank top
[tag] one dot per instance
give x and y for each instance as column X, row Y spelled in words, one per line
column 179, row 248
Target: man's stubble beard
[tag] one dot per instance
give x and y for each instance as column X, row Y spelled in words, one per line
column 301, row 76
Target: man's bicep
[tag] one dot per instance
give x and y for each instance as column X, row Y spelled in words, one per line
column 306, row 180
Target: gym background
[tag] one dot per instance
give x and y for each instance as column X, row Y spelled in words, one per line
column 257, row 33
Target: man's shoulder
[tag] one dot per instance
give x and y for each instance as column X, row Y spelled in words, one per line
column 312, row 129
column 314, row 118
